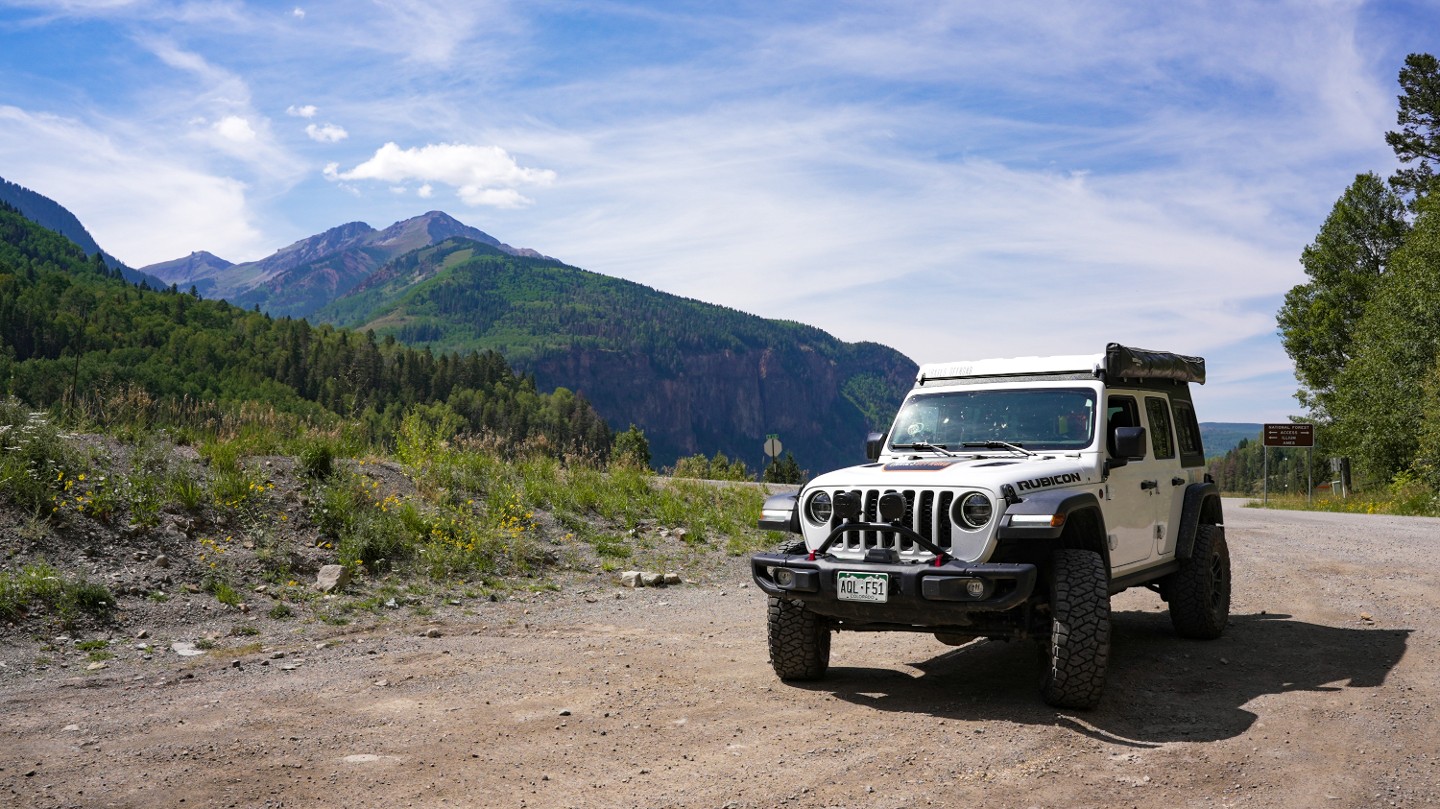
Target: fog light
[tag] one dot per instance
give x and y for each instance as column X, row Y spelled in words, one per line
column 975, row 588
column 784, row 577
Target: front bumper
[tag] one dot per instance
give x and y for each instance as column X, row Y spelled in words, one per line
column 919, row 594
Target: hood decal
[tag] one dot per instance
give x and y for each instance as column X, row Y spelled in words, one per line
column 929, row 465
column 1047, row 482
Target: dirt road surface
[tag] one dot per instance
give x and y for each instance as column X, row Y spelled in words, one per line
column 1322, row 693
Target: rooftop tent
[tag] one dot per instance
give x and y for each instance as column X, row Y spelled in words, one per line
column 1125, row 362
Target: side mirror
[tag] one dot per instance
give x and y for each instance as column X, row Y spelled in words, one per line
column 874, row 442
column 1130, row 443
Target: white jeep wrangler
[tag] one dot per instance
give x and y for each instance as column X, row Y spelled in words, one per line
column 1010, row 499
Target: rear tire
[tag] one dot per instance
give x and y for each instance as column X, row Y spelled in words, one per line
column 1199, row 592
column 1078, row 650
column 799, row 641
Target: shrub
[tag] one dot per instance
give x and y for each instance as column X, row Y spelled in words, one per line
column 317, row 459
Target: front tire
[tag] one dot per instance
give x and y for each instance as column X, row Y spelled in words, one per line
column 1078, row 651
column 1199, row 592
column 799, row 640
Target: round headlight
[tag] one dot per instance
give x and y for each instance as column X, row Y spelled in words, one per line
column 972, row 511
column 818, row 509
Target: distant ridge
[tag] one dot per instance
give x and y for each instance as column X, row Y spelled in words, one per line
column 301, row 277
column 1219, row 437
column 51, row 215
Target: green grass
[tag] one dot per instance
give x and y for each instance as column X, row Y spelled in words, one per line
column 1405, row 496
column 38, row 585
column 463, row 515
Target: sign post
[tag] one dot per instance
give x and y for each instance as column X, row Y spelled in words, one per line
column 772, row 449
column 1289, row 435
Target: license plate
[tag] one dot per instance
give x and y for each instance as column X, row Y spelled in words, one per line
column 855, row 586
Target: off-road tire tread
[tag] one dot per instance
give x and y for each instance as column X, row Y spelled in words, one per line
column 1199, row 604
column 1078, row 649
column 799, row 640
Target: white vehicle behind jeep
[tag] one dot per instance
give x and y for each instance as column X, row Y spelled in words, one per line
column 1010, row 499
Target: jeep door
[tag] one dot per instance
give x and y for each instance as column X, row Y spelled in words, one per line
column 1166, row 470
column 1129, row 490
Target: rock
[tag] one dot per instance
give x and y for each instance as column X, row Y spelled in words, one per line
column 672, row 578
column 652, row 579
column 96, row 666
column 332, row 578
column 185, row 649
column 432, row 632
column 142, row 634
column 631, row 578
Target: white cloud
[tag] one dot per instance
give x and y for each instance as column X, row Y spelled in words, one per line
column 329, row 133
column 425, row 191
column 307, row 111
column 298, row 13
column 433, row 31
column 234, row 128
column 142, row 206
column 481, row 175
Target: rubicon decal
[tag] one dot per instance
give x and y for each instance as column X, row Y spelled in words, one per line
column 1044, row 483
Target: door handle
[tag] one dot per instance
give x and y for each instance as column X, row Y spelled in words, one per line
column 1149, row 484
column 1177, row 481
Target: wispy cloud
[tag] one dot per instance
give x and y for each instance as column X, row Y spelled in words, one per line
column 138, row 204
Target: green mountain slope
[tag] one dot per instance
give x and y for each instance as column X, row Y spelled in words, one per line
column 698, row 378
column 73, row 332
column 1219, row 437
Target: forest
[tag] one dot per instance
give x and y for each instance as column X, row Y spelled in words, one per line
column 1364, row 329
column 78, row 339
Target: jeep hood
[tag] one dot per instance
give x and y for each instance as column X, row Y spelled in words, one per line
column 990, row 472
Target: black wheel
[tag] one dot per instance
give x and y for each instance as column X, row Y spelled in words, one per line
column 1199, row 592
column 799, row 641
column 1079, row 645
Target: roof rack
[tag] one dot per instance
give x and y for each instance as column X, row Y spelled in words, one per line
column 1118, row 362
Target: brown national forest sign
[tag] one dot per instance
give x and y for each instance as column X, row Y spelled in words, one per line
column 1289, row 435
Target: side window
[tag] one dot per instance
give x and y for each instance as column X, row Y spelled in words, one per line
column 1159, row 412
column 1120, row 411
column 1187, row 433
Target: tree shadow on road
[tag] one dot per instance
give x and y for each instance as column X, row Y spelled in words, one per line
column 1161, row 688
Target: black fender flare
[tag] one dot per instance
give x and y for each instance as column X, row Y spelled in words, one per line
column 1066, row 503
column 1202, row 504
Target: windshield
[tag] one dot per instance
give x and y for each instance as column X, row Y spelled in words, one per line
column 1036, row 419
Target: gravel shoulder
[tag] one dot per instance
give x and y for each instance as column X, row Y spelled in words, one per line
column 1321, row 693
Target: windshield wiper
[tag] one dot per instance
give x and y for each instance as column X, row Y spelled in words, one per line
column 940, row 448
column 998, row 445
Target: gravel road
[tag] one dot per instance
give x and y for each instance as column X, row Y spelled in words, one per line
column 1322, row 693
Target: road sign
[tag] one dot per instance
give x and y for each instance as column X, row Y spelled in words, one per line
column 772, row 446
column 1289, row 435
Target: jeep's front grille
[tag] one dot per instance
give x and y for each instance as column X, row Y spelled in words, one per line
column 927, row 513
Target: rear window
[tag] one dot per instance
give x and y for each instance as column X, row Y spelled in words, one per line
column 1158, row 411
column 1187, row 433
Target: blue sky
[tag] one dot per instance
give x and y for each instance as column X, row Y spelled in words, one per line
column 956, row 180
